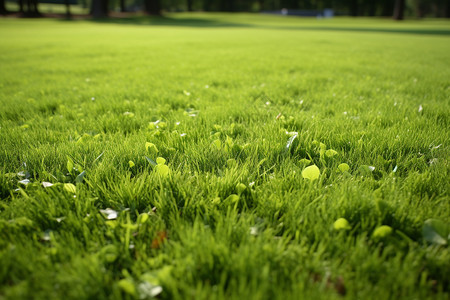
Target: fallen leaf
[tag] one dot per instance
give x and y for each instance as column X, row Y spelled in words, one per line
column 161, row 237
column 160, row 161
column 435, row 231
column 330, row 153
column 25, row 181
column 47, row 184
column 382, row 232
column 127, row 286
column 162, row 170
column 311, row 172
column 109, row 213
column 69, row 187
column 343, row 167
column 341, row 224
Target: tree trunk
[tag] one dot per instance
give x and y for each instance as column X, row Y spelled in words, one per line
column 21, row 6
column 122, row 6
column 3, row 10
column 227, row 5
column 189, row 5
column 68, row 14
column 372, row 8
column 152, row 7
column 399, row 9
column 354, row 8
column 207, row 5
column 386, row 8
column 99, row 8
column 30, row 9
column 35, row 8
column 447, row 9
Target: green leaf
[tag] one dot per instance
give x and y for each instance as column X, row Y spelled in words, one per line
column 330, row 153
column 311, row 172
column 435, row 231
column 341, row 224
column 160, row 161
column 69, row 164
column 229, row 141
column 80, row 177
column 233, row 198
column 142, row 218
column 69, row 187
column 151, row 148
column 382, row 232
column 240, row 187
column 127, row 286
column 217, row 144
column 162, row 170
column 343, row 167
column 304, row 161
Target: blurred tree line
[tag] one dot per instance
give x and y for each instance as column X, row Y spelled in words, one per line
column 383, row 8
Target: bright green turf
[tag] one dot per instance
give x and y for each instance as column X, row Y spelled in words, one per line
column 375, row 91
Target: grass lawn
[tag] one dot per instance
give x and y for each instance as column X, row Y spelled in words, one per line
column 215, row 156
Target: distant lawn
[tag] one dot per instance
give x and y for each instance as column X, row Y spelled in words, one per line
column 177, row 157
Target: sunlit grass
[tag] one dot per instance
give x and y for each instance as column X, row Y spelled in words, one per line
column 175, row 157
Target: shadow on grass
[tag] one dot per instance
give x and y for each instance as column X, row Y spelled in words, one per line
column 168, row 21
column 418, row 31
column 217, row 23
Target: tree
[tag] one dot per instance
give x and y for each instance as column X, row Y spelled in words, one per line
column 227, row 5
column 99, row 8
column 21, row 6
column 31, row 8
column 3, row 10
column 371, row 8
column 447, row 9
column 354, row 8
column 399, row 9
column 387, row 6
column 152, row 7
column 189, row 5
column 67, row 3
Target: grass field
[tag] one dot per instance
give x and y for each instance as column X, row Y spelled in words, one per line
column 174, row 158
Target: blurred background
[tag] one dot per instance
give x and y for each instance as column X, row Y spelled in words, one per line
column 398, row 9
